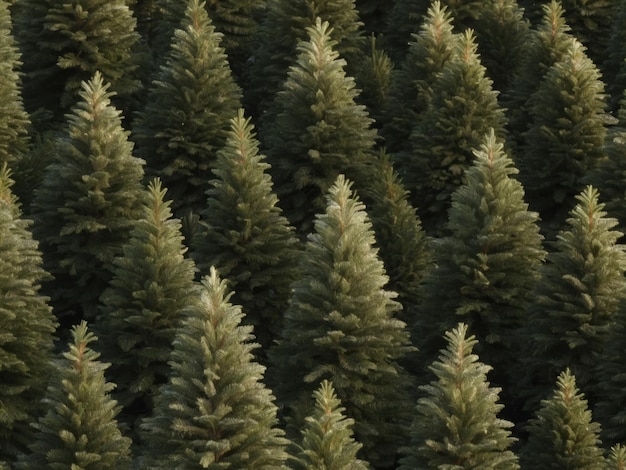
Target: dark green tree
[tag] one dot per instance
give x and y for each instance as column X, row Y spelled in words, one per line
column 319, row 131
column 614, row 66
column 341, row 326
column 79, row 430
column 456, row 425
column 27, row 325
column 185, row 121
column 574, row 305
column 246, row 236
column 327, row 440
column 563, row 435
column 214, row 412
column 88, row 202
column 374, row 14
column 142, row 309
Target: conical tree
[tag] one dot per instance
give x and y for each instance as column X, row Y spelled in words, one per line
column 143, row 306
column 245, row 234
column 340, row 326
column 573, row 307
column 327, row 440
column 189, row 106
column 456, row 424
column 88, row 202
column 319, row 131
column 487, row 266
column 563, row 435
column 28, row 325
column 79, row 430
column 214, row 412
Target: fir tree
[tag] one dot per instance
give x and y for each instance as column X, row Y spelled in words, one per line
column 79, row 431
column 456, row 425
column 214, row 412
column 143, row 306
column 319, row 130
column 88, row 202
column 327, row 440
column 563, row 435
column 245, row 234
column 617, row 458
column 27, row 324
column 614, row 67
column 189, row 106
column 340, row 326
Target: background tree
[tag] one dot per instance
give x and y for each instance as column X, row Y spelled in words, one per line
column 215, row 411
column 185, row 121
column 87, row 204
column 563, row 435
column 79, row 429
column 28, row 325
column 340, row 326
column 456, row 424
column 143, row 306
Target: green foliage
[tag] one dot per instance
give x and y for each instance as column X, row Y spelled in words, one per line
column 563, row 435
column 214, row 412
column 327, row 440
column 456, row 425
column 189, row 106
column 27, row 324
column 617, row 458
column 340, row 326
column 245, row 235
column 143, row 306
column 79, row 430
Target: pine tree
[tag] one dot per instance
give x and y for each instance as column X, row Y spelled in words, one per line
column 456, row 424
column 319, row 130
column 617, row 458
column 88, row 202
column 245, row 234
column 563, row 435
column 214, row 412
column 189, row 106
column 340, row 326
column 574, row 305
column 28, row 324
column 79, row 430
column 143, row 306
column 327, row 440
column 462, row 109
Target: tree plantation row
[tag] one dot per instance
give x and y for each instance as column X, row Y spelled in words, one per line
column 312, row 234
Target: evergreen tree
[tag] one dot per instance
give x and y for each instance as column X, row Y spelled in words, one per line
column 462, row 109
column 88, row 202
column 189, row 106
column 27, row 324
column 79, row 430
column 563, row 435
column 614, row 66
column 143, row 306
column 574, row 305
column 456, row 425
column 327, row 440
column 374, row 14
column 319, row 130
column 617, row 458
column 340, row 326
column 245, row 234
column 214, row 412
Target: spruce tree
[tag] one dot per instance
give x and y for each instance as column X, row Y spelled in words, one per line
column 319, row 131
column 79, row 430
column 88, row 202
column 245, row 234
column 563, row 435
column 456, row 423
column 340, row 326
column 143, row 306
column 327, row 440
column 617, row 458
column 189, row 105
column 27, row 324
column 574, row 305
column 214, row 412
